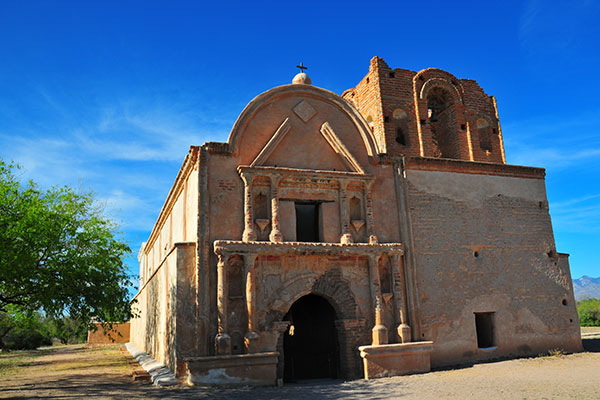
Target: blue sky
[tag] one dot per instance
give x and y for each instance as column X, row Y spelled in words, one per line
column 109, row 96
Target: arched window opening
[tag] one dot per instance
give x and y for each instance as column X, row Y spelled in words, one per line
column 442, row 117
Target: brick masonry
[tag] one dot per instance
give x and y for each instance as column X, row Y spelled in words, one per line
column 419, row 218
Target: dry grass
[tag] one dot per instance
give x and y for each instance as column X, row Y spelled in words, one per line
column 590, row 329
column 11, row 361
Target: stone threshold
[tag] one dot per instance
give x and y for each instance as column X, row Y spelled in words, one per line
column 160, row 374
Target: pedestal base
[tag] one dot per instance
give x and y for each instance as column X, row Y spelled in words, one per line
column 258, row 369
column 396, row 359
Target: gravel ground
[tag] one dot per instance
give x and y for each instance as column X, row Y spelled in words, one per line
column 103, row 372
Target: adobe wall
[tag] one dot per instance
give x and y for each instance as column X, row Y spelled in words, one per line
column 177, row 221
column 118, row 334
column 166, row 309
column 168, row 278
column 483, row 243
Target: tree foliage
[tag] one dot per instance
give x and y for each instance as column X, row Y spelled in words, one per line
column 59, row 254
column 23, row 329
column 589, row 312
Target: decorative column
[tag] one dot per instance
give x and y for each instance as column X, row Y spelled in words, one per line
column 400, row 297
column 249, row 233
column 251, row 338
column 346, row 236
column 275, row 235
column 222, row 340
column 379, row 331
column 369, row 203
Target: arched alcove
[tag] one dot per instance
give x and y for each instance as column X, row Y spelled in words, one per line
column 443, row 123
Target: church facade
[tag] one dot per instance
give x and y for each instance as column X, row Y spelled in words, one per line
column 375, row 233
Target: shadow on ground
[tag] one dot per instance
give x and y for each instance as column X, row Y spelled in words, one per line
column 76, row 386
column 591, row 345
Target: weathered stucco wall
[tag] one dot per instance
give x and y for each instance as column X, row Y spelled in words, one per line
column 484, row 243
column 165, row 325
column 177, row 221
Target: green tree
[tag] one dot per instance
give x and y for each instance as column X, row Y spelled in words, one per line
column 59, row 254
column 68, row 330
column 22, row 329
column 589, row 312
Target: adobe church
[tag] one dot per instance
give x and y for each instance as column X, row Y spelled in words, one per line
column 371, row 234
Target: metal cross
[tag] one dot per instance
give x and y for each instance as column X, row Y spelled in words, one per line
column 302, row 67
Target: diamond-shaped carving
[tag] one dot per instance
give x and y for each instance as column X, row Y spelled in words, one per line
column 304, row 110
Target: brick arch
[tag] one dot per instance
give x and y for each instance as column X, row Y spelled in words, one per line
column 336, row 290
column 423, row 82
column 430, row 76
column 350, row 331
column 441, row 83
column 329, row 285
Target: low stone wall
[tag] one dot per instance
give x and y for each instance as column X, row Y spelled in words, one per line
column 119, row 334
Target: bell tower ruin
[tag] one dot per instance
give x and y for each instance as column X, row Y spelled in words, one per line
column 429, row 113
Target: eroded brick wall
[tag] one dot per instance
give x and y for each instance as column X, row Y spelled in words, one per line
column 484, row 243
column 385, row 94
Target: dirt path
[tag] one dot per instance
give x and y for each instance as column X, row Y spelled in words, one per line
column 76, row 372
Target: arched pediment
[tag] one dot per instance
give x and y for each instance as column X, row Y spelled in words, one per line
column 305, row 123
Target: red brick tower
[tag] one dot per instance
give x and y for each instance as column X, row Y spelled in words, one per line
column 429, row 113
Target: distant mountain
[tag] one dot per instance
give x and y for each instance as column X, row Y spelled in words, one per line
column 586, row 287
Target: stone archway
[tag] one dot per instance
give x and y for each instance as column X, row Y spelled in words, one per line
column 310, row 344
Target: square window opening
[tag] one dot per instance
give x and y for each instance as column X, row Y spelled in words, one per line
column 307, row 222
column 484, row 324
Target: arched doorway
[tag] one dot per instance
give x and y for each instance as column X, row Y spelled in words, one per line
column 310, row 345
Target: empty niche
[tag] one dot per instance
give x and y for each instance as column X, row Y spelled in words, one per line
column 261, row 206
column 261, row 215
column 401, row 126
column 385, row 276
column 235, row 270
column 483, row 129
column 355, row 208
column 484, row 325
column 356, row 214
